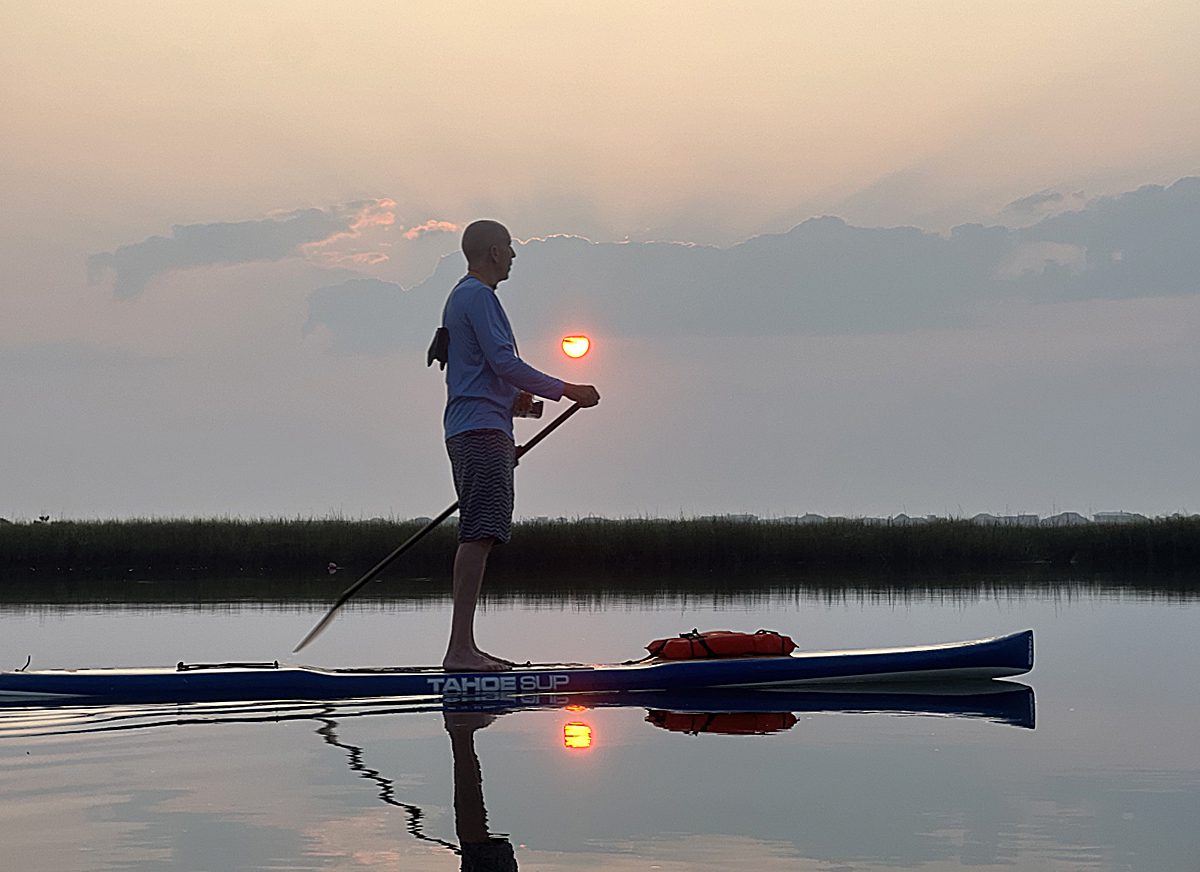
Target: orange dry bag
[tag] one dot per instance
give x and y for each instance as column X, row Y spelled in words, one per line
column 722, row 643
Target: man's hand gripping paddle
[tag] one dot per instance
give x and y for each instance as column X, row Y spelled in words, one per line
column 416, row 537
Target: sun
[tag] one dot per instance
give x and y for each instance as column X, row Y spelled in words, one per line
column 576, row 346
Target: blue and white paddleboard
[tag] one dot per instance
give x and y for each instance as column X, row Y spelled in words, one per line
column 998, row 657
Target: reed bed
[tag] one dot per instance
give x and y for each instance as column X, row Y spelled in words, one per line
column 581, row 549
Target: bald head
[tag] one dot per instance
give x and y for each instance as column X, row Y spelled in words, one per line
column 488, row 247
column 480, row 236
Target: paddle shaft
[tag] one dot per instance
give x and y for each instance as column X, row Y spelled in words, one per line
column 418, row 536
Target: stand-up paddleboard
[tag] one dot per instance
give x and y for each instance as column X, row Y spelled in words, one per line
column 999, row 657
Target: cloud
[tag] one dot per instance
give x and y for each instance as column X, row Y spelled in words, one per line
column 1138, row 244
column 310, row 233
column 364, row 315
column 1037, row 257
column 1044, row 203
column 823, row 277
column 431, row 226
column 1034, row 202
column 362, row 258
column 363, row 215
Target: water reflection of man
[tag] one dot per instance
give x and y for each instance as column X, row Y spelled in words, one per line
column 481, row 851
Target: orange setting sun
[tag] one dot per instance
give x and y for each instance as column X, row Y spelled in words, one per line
column 576, row 346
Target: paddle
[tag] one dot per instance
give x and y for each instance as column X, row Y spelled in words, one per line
column 417, row 536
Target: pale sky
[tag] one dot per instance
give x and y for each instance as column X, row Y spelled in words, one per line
column 221, row 224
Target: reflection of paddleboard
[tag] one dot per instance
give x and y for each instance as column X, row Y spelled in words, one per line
column 986, row 658
column 762, row 711
column 1004, row 702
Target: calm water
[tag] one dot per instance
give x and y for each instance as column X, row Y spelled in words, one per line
column 1109, row 779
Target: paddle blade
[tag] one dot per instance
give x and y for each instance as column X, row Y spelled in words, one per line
column 318, row 629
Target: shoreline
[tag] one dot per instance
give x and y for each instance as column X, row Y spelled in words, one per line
column 585, row 548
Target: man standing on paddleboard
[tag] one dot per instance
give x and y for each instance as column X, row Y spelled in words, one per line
column 487, row 383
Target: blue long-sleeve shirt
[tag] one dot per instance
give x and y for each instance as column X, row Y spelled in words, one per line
column 484, row 375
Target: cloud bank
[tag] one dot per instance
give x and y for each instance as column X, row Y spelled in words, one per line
column 823, row 277
column 293, row 234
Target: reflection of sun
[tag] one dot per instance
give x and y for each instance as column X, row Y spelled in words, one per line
column 576, row 346
column 577, row 736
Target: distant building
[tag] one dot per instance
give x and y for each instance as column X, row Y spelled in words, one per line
column 808, row 518
column 987, row 520
column 1065, row 519
column 1118, row 518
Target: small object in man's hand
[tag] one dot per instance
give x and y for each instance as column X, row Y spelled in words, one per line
column 525, row 406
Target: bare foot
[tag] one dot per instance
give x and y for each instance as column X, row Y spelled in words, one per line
column 472, row 662
column 508, row 664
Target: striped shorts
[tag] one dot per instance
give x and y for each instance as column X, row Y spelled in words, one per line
column 482, row 462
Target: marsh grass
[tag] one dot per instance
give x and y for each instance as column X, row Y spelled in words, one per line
column 571, row 552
